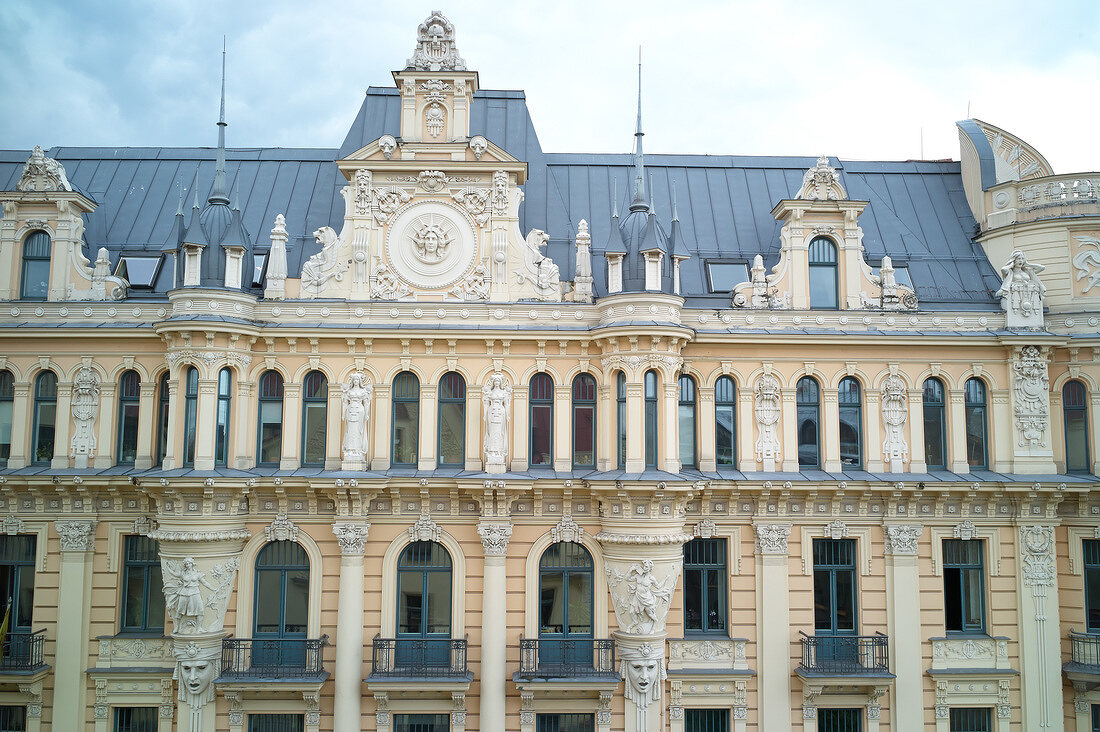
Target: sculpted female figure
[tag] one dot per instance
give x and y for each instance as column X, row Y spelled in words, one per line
column 496, row 398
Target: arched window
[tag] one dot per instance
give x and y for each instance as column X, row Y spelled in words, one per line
column 163, row 402
column 977, row 451
column 190, row 414
column 686, row 418
column 650, row 393
column 1075, row 414
column 36, row 267
column 406, row 418
column 129, row 404
column 725, row 422
column 452, row 419
column 45, row 416
column 221, row 426
column 542, row 420
column 281, row 609
column 584, row 421
column 935, row 424
column 807, row 399
column 7, row 407
column 423, row 606
column 565, row 605
column 270, row 430
column 620, row 417
column 851, row 423
column 314, row 418
column 823, row 274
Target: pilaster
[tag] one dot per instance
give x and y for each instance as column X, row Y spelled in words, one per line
column 243, row 423
column 829, row 431
column 205, row 417
column 563, row 428
column 520, row 438
column 429, row 420
column 635, row 428
column 109, row 417
column 956, row 432
column 292, row 427
column 788, row 428
column 348, row 671
column 745, row 429
column 704, row 416
column 1030, row 419
column 173, row 452
column 77, row 543
column 872, row 433
column 903, row 626
column 62, row 427
column 494, row 626
column 20, row 426
column 773, row 626
column 148, row 426
column 917, row 458
column 1040, row 642
column 668, row 442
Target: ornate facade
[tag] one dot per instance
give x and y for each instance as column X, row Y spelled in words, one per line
column 438, row 431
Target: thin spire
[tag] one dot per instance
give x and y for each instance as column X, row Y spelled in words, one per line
column 675, row 211
column 639, row 202
column 218, row 194
column 179, row 207
column 615, row 198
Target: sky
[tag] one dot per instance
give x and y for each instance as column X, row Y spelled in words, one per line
column 858, row 80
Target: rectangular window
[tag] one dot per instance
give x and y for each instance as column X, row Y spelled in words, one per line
column 406, row 421
column 142, row 586
column 839, row 720
column 823, row 287
column 13, row 719
column 189, row 436
column 564, row 723
column 963, row 586
column 834, row 586
column 541, row 437
column 970, row 720
column 935, row 441
column 135, row 719
column 17, row 579
column 706, row 720
column 724, row 276
column 314, row 438
column 705, row 586
column 1091, row 553
column 271, row 432
column 276, row 723
column 128, row 432
column 421, row 723
column 1096, row 718
column 452, row 432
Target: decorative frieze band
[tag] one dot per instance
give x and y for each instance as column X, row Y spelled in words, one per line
column 225, row 535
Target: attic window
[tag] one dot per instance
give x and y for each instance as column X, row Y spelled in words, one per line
column 140, row 272
column 259, row 264
column 723, row 276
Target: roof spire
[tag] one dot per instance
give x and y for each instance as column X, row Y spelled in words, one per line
column 639, row 203
column 675, row 211
column 615, row 198
column 218, row 194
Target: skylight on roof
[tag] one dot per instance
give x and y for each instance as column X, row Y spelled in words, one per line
column 723, row 276
column 259, row 264
column 140, row 272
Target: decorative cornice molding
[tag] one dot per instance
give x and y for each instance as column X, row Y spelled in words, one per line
column 225, row 535
column 605, row 537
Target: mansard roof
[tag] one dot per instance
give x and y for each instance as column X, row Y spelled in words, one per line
column 917, row 211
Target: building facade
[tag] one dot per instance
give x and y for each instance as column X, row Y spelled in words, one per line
column 438, row 431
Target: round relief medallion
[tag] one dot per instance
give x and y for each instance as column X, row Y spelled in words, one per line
column 431, row 244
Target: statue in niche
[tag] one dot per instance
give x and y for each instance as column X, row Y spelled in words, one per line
column 1021, row 292
column 430, row 244
column 496, row 398
column 354, row 397
column 183, row 593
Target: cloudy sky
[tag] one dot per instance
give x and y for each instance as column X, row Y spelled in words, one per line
column 860, row 80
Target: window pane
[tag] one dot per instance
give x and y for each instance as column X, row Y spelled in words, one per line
column 439, row 603
column 620, row 416
column 850, row 437
column 405, row 425
column 971, row 720
column 651, row 433
column 551, row 602
column 975, row 437
column 134, row 601
column 845, row 599
column 314, row 426
column 269, row 590
column 823, row 600
column 541, row 440
column 724, row 275
column 132, row 719
column 43, row 443
column 190, row 407
column 5, row 432
column 706, row 720
column 934, row 437
column 452, row 432
column 580, row 603
column 1077, row 449
column 693, row 599
column 823, row 288
column 154, row 614
column 687, row 434
column 584, row 446
column 36, row 279
column 410, row 611
column 297, row 601
column 127, row 448
column 271, row 432
column 808, row 445
column 723, row 418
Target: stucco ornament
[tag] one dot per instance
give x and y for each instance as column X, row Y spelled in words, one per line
column 500, row 198
column 478, row 146
column 281, row 529
column 387, row 201
column 582, row 274
column 387, row 144
column 539, row 269
column 196, row 687
column 1030, row 390
column 41, row 173
column 425, row 529
column 643, row 668
column 895, row 450
column 363, row 187
column 76, row 536
column 767, row 411
column 352, row 537
column 474, row 287
column 641, row 600
column 387, row 286
column 475, row 201
column 355, row 394
column 567, row 530
column 85, row 411
column 325, row 265
column 772, row 538
column 902, row 539
column 1087, row 261
column 496, row 400
column 1022, row 292
column 275, row 279
column 494, row 538
column 183, row 585
column 435, row 46
column 822, row 183
column 431, row 244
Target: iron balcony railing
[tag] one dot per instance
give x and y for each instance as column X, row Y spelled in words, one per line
column 22, row 651
column 845, row 654
column 1085, row 649
column 566, row 658
column 419, row 657
column 273, row 658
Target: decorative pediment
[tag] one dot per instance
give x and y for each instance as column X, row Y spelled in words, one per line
column 435, row 46
column 41, row 173
column 822, row 183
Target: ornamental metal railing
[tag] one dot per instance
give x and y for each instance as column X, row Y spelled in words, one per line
column 566, row 658
column 1085, row 649
column 418, row 657
column 845, row 654
column 22, row 651
column 273, row 658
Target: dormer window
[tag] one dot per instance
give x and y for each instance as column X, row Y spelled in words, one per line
column 652, row 270
column 36, row 266
column 614, row 273
column 140, row 272
column 823, row 274
column 722, row 276
column 192, row 259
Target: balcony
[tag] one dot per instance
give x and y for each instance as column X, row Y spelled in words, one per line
column 286, row 660
column 22, row 653
column 845, row 655
column 1083, row 668
column 418, row 658
column 570, row 659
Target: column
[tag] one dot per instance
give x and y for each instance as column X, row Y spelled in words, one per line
column 148, row 426
column 635, row 428
column 829, row 431
column 21, row 426
column 348, row 672
column 62, row 428
column 563, row 428
column 903, row 626
column 956, row 432
column 429, row 417
column 74, row 587
column 668, row 421
column 205, row 418
column 773, row 629
column 494, row 625
column 291, row 456
column 1040, row 642
column 917, row 462
column 107, row 436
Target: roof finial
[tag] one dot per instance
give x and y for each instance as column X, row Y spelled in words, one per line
column 675, row 211
column 615, row 198
column 179, row 207
column 639, row 202
column 218, row 194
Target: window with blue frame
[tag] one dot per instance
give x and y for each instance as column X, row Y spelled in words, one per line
column 687, row 422
column 276, row 723
column 584, row 421
column 1090, row 551
column 962, row 719
column 136, row 719
column 565, row 605
column 35, row 284
column 7, row 408
column 571, row 722
column 620, row 417
column 17, row 579
column 221, row 424
column 934, row 405
column 452, row 419
column 281, row 605
column 424, row 581
column 835, row 601
column 314, row 419
column 129, row 405
column 650, row 394
column 1075, row 419
column 807, row 398
column 705, row 586
column 45, row 417
column 421, row 722
column 974, row 407
column 190, row 415
column 706, row 720
column 142, row 586
column 823, row 274
column 725, row 422
column 850, row 408
column 406, row 419
column 163, row 403
column 963, row 586
column 541, row 400
column 839, row 720
column 269, row 432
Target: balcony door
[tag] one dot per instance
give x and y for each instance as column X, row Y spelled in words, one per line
column 835, row 601
column 565, row 606
column 282, row 605
column 423, row 607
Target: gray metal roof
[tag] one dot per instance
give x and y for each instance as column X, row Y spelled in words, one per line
column 917, row 211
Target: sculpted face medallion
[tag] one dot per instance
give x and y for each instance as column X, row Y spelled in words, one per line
column 431, row 244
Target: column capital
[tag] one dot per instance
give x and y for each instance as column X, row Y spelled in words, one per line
column 902, row 539
column 772, row 538
column 494, row 538
column 352, row 537
column 1037, row 542
column 76, row 535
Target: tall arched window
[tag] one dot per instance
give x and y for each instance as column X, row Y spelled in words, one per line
column 163, row 402
column 270, row 429
column 1075, row 414
column 935, row 424
column 823, row 274
column 7, row 407
column 725, row 422
column 36, row 267
column 851, row 423
column 584, row 421
column 977, row 449
column 423, row 606
column 281, row 610
column 620, row 417
column 45, row 416
column 314, row 418
column 807, row 398
column 565, row 605
column 542, row 420
column 129, row 404
column 452, row 419
column 406, row 418
column 685, row 416
column 650, row 393
column 190, row 415
column 221, row 425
